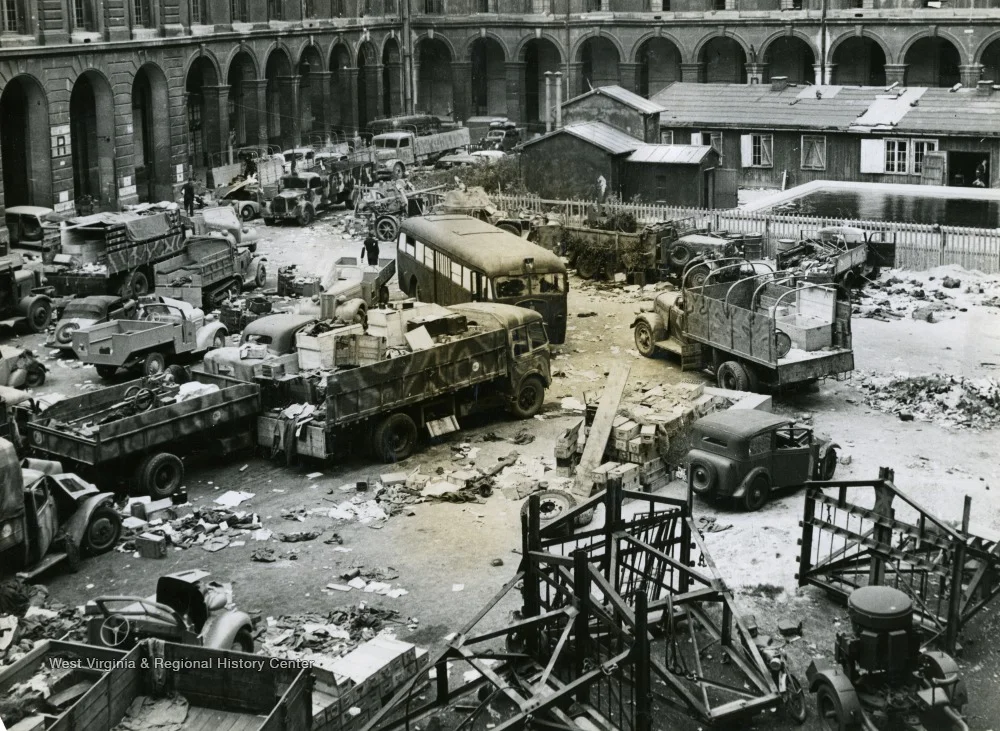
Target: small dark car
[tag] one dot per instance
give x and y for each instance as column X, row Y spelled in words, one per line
column 744, row 454
column 83, row 312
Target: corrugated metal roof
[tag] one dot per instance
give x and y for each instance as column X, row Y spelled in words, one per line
column 600, row 134
column 845, row 108
column 639, row 103
column 670, row 154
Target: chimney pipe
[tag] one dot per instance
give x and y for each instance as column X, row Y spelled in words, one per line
column 984, row 88
column 559, row 97
column 548, row 101
column 779, row 83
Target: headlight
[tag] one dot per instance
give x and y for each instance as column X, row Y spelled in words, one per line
column 7, row 531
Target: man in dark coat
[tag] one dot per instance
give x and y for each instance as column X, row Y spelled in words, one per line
column 188, row 192
column 370, row 248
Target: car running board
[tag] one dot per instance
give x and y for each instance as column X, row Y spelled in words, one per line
column 44, row 565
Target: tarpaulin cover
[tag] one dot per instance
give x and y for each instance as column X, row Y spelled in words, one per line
column 11, row 499
column 145, row 228
column 466, row 199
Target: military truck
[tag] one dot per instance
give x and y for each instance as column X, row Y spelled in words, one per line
column 114, row 253
column 496, row 356
column 23, row 298
column 398, row 151
column 356, row 282
column 764, row 330
column 299, row 197
column 48, row 517
column 838, row 255
column 208, row 270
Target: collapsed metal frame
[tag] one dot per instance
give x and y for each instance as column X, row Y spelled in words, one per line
column 617, row 624
column 950, row 574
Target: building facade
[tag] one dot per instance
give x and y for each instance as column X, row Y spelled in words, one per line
column 119, row 100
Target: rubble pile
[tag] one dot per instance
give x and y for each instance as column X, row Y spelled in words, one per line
column 946, row 400
column 184, row 526
column 27, row 616
column 323, row 637
column 927, row 296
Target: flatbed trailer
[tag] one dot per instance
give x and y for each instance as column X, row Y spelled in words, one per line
column 143, row 448
column 222, row 689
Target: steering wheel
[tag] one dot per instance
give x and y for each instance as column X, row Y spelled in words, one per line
column 143, row 608
column 115, row 630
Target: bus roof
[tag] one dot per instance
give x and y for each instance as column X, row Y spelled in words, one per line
column 507, row 315
column 480, row 244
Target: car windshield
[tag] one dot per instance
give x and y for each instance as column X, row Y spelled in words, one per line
column 256, row 339
column 510, row 286
column 161, row 311
column 83, row 309
column 549, row 283
column 496, row 134
column 293, row 182
column 385, row 143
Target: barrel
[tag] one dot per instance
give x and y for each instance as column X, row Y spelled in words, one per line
column 753, row 246
column 785, row 245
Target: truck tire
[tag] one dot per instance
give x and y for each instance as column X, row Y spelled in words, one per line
column 395, row 438
column 386, row 228
column 509, row 228
column 529, row 399
column 782, row 344
column 305, row 217
column 140, row 283
column 35, row 375
column 588, row 266
column 107, row 372
column 398, row 170
column 553, row 504
column 679, row 256
column 261, row 279
column 758, row 491
column 242, row 642
column 39, row 314
column 102, row 533
column 644, row 342
column 697, row 277
column 732, row 376
column 702, row 478
column 154, row 364
column 828, row 467
column 159, row 475
column 247, row 213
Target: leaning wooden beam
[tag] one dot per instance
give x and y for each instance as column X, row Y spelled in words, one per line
column 600, row 430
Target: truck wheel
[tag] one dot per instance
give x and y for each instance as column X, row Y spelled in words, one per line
column 829, row 465
column 154, row 364
column 398, row 170
column 247, row 213
column 102, row 532
column 219, row 341
column 509, row 228
column 261, row 279
column 782, row 343
column 697, row 277
column 831, row 711
column 35, row 375
column 757, row 493
column 552, row 504
column 305, row 217
column 140, row 283
column 386, row 228
column 107, row 372
column 679, row 256
column 732, row 376
column 394, row 438
column 644, row 342
column 530, row 398
column 702, row 478
column 242, row 642
column 178, row 373
column 39, row 313
column 587, row 266
column 159, row 475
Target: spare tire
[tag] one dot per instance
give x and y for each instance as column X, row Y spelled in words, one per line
column 702, row 478
column 553, row 504
column 680, row 255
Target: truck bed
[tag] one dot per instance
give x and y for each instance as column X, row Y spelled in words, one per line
column 48, row 433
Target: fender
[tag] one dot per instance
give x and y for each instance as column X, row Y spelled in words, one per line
column 45, row 466
column 841, row 685
column 655, row 323
column 25, row 303
column 353, row 310
column 206, row 334
column 255, row 264
column 945, row 668
column 220, row 631
column 751, row 476
column 76, row 526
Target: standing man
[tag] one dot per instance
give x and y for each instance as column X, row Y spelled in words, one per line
column 188, row 191
column 370, row 247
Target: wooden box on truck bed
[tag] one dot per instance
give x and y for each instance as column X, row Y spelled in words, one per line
column 133, row 435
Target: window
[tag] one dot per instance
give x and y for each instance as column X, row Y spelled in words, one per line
column 792, row 438
column 456, row 273
column 10, row 16
column 661, row 187
column 813, row 152
column 467, row 279
column 715, row 140
column 337, row 9
column 240, row 11
column 407, row 244
column 756, row 151
column 274, row 10
column 667, row 137
column 536, row 335
column 896, row 156
column 197, row 12
column 921, row 148
column 140, row 14
column 519, row 338
column 429, row 258
column 434, row 7
column 419, row 252
column 548, row 283
column 511, row 286
column 760, row 444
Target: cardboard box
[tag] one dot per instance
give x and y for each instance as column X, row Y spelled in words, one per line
column 627, row 431
column 151, row 546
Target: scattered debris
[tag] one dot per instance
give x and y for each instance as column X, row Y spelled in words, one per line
column 945, row 400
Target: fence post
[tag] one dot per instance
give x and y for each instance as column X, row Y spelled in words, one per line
column 944, row 243
column 641, row 670
column 581, row 578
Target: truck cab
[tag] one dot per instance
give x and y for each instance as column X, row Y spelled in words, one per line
column 502, row 135
column 30, row 226
column 299, row 196
column 47, row 517
column 393, row 153
column 23, row 299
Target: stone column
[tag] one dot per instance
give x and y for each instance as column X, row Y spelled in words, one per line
column 574, row 81
column 895, row 73
column 547, row 110
column 377, row 84
column 349, row 104
column 395, row 88
column 629, row 74
column 461, row 84
column 970, row 75
column 291, row 123
column 255, row 101
column 557, row 102
column 693, row 72
column 756, row 73
column 323, row 115
column 514, row 72
column 215, row 119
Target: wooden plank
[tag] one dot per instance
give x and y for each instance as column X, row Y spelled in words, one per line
column 600, row 431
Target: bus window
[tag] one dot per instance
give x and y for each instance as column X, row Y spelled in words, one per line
column 443, row 265
column 511, row 286
column 467, row 279
column 536, row 335
column 547, row 283
column 456, row 273
column 418, row 252
column 519, row 338
column 407, row 244
column 429, row 258
column 478, row 293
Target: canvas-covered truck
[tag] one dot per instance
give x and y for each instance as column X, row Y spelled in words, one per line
column 114, row 253
column 299, row 197
column 24, row 300
column 764, row 330
column 496, row 357
column 48, row 517
column 209, row 269
column 398, row 151
column 131, row 435
column 166, row 686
